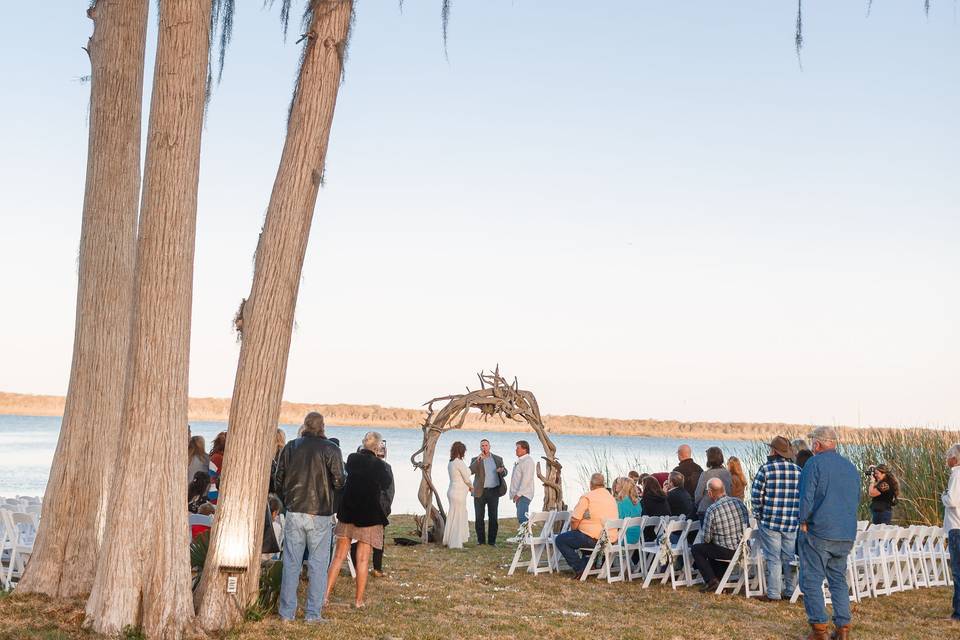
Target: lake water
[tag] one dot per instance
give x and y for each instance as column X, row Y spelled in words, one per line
column 27, row 445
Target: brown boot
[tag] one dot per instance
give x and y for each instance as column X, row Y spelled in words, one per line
column 818, row 632
column 841, row 633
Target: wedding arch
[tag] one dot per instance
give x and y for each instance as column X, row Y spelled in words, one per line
column 495, row 397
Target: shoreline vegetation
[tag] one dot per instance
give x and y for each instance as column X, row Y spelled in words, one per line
column 217, row 410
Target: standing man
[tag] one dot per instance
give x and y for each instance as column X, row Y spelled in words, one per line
column 775, row 497
column 521, row 484
column 722, row 527
column 691, row 470
column 488, row 485
column 951, row 523
column 829, row 496
column 308, row 480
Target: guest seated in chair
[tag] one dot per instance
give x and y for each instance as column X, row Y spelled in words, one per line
column 722, row 527
column 586, row 524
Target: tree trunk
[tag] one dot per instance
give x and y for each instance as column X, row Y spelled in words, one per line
column 71, row 530
column 143, row 572
column 268, row 322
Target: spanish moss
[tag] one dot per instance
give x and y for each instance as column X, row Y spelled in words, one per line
column 445, row 20
column 221, row 32
column 869, row 7
column 926, row 7
column 798, row 37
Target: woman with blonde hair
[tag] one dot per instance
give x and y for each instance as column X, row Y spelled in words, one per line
column 197, row 459
column 361, row 515
column 628, row 505
column 738, row 479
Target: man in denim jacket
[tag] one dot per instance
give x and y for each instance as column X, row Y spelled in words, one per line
column 829, row 497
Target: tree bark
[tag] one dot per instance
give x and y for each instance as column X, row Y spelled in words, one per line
column 143, row 572
column 75, row 503
column 267, row 326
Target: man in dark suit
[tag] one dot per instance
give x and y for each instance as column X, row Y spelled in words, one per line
column 488, row 485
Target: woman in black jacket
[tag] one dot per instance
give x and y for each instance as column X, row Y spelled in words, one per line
column 362, row 514
column 654, row 503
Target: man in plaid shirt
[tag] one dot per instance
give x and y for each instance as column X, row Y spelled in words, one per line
column 775, row 498
column 722, row 529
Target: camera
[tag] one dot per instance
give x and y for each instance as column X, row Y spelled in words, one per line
column 870, row 470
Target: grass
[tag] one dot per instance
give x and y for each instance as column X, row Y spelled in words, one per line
column 436, row 593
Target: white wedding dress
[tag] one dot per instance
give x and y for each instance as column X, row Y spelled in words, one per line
column 457, row 529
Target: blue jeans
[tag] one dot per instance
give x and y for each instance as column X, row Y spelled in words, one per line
column 313, row 534
column 821, row 559
column 953, row 544
column 882, row 517
column 569, row 544
column 523, row 506
column 779, row 548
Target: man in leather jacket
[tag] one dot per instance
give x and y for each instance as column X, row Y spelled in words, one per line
column 308, row 480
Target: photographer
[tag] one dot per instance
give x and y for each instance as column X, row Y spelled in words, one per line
column 884, row 491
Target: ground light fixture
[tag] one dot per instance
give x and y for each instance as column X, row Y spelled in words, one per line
column 232, row 574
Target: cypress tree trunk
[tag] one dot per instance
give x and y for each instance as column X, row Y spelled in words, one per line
column 268, row 321
column 77, row 492
column 143, row 572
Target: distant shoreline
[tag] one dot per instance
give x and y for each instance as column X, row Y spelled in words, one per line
column 217, row 409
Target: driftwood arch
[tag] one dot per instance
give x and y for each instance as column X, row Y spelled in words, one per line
column 495, row 397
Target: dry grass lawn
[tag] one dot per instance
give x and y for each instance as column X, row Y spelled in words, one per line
column 432, row 592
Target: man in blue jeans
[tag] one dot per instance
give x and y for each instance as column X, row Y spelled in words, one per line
column 308, row 480
column 586, row 524
column 951, row 524
column 829, row 496
column 775, row 496
column 522, row 482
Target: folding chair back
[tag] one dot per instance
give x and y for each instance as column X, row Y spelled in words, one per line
column 631, row 549
column 535, row 540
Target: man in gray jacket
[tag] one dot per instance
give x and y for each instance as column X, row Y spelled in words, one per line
column 488, row 485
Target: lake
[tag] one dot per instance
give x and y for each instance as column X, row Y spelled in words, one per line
column 27, row 445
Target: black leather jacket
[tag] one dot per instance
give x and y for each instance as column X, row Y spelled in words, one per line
column 310, row 476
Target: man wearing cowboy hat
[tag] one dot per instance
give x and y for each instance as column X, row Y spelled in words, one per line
column 775, row 497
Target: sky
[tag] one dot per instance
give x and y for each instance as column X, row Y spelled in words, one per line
column 640, row 209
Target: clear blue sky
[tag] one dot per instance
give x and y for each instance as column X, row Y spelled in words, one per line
column 642, row 209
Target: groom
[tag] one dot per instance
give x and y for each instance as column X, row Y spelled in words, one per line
column 488, row 485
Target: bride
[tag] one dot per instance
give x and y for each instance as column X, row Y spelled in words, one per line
column 457, row 530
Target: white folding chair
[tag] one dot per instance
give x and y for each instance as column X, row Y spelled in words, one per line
column 26, row 524
column 560, row 524
column 607, row 550
column 536, row 539
column 738, row 566
column 901, row 551
column 650, row 542
column 662, row 564
column 859, row 566
column 939, row 557
column 918, row 565
column 634, row 570
column 755, row 584
column 21, row 545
